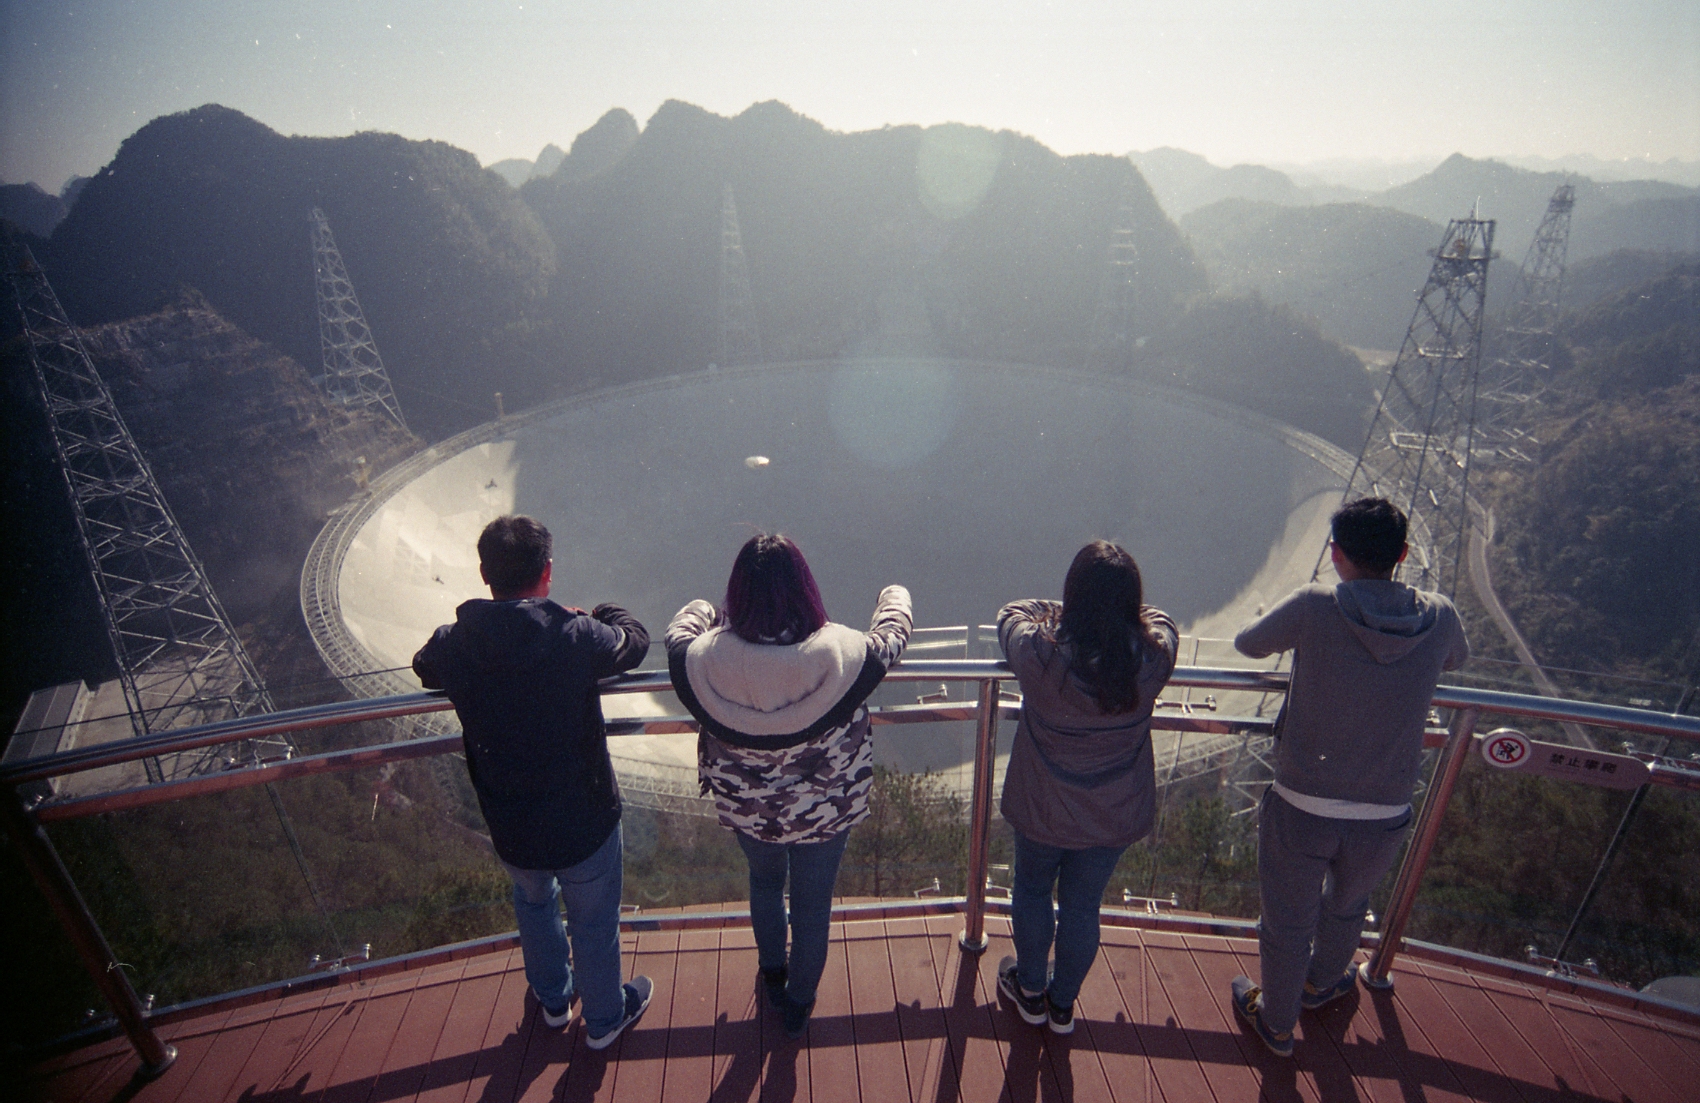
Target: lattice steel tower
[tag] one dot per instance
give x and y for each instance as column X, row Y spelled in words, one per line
column 740, row 341
column 179, row 659
column 1112, row 342
column 1421, row 442
column 1516, row 378
column 354, row 372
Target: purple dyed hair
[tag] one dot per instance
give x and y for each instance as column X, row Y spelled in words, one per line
column 771, row 596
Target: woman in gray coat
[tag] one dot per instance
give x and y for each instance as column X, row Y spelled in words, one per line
column 1080, row 787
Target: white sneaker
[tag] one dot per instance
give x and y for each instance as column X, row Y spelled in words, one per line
column 638, row 990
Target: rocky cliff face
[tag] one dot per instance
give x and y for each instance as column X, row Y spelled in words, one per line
column 249, row 455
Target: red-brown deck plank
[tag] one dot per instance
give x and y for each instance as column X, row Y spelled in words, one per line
column 1105, row 1028
column 1234, row 1063
column 1523, row 1066
column 879, row 1050
column 903, row 1014
column 974, row 1049
column 194, row 1041
column 1528, row 1014
column 461, row 1039
column 738, row 1051
column 1629, row 1071
column 1678, row 1067
column 1073, row 1060
column 831, row 1040
column 1176, row 1070
column 920, row 1015
column 1417, row 1017
column 374, row 1033
column 495, row 1074
column 1356, row 1039
column 642, row 1067
column 409, row 1060
column 77, row 1074
column 262, row 1035
column 1029, row 1072
column 690, row 1042
column 290, row 1026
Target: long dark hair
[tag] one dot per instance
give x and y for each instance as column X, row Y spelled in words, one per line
column 1101, row 622
column 771, row 596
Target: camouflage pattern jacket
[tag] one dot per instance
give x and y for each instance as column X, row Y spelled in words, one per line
column 784, row 747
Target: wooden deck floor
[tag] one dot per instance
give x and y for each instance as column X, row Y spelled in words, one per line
column 903, row 1015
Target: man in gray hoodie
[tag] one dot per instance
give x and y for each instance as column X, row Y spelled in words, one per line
column 1367, row 654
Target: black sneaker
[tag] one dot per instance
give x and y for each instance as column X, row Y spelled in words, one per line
column 1032, row 1008
column 796, row 1016
column 1060, row 1016
column 638, row 990
column 774, row 981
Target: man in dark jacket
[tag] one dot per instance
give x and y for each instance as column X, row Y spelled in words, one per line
column 522, row 672
column 1367, row 654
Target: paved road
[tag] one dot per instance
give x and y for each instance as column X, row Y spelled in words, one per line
column 1482, row 583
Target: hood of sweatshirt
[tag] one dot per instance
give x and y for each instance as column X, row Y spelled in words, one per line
column 774, row 689
column 1388, row 618
column 509, row 635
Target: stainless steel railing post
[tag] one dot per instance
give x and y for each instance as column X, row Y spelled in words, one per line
column 87, row 940
column 973, row 937
column 1463, row 728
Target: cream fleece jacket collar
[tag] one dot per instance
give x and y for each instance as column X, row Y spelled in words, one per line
column 774, row 689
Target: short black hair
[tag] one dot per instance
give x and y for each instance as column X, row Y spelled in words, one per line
column 1371, row 533
column 513, row 552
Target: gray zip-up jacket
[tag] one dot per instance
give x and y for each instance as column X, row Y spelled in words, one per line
column 1079, row 776
column 1366, row 658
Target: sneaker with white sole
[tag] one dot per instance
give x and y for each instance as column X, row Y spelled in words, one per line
column 637, row 990
column 1248, row 1001
column 1312, row 999
column 1032, row 1008
column 557, row 1018
column 1059, row 1016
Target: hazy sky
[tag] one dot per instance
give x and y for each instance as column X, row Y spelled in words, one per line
column 1235, row 80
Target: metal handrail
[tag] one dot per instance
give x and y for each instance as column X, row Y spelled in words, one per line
column 23, row 822
column 1623, row 718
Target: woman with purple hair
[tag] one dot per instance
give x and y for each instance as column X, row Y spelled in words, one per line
column 779, row 693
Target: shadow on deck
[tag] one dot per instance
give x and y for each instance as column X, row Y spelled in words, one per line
column 904, row 1015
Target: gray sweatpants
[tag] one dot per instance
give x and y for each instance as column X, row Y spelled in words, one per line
column 1315, row 874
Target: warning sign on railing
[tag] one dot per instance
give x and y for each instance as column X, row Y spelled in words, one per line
column 1508, row 749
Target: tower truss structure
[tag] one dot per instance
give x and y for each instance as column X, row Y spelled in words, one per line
column 1422, row 440
column 1113, row 342
column 740, row 340
column 179, row 659
column 1515, row 378
column 354, row 373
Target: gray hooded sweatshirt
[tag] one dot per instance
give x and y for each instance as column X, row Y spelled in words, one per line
column 1366, row 658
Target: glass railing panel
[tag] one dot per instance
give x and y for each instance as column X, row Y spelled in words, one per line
column 1516, row 856
column 199, row 896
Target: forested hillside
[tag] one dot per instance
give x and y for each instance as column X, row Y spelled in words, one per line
column 1356, row 268
column 947, row 241
column 249, row 455
column 446, row 259
column 1599, row 545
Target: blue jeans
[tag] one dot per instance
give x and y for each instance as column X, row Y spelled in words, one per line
column 1315, row 875
column 1080, row 877
column 813, row 869
column 591, row 891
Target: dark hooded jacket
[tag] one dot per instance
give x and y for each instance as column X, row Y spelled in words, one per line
column 522, row 676
column 1366, row 658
